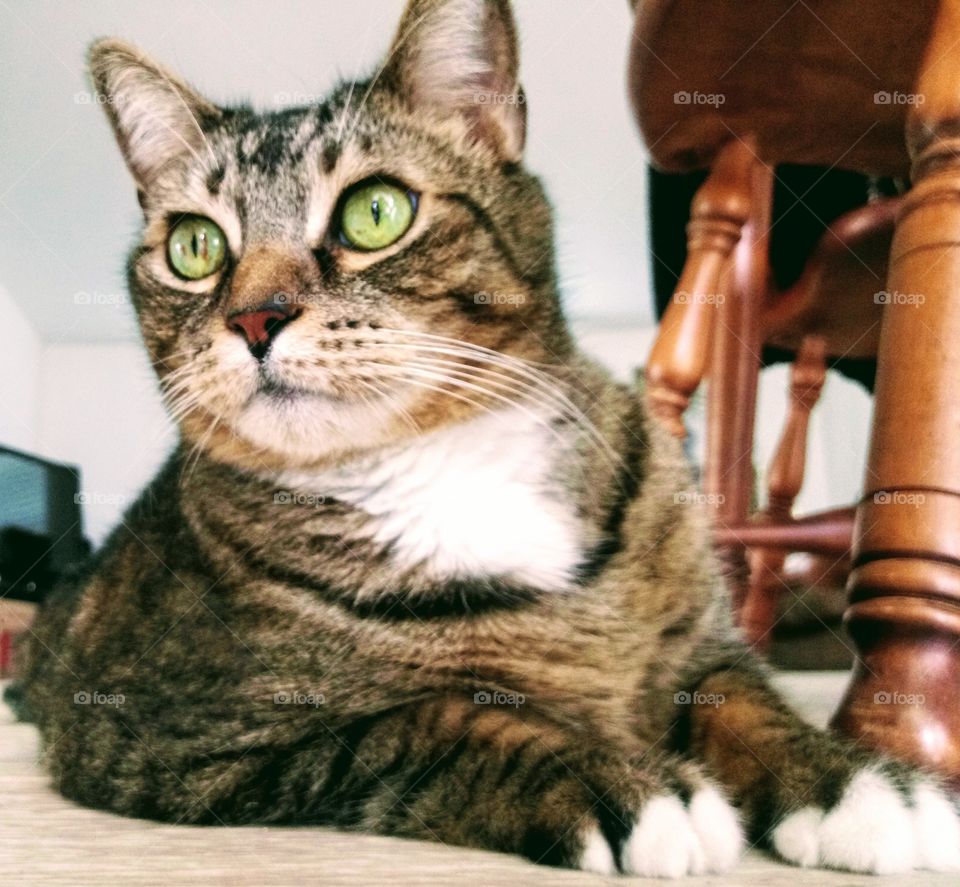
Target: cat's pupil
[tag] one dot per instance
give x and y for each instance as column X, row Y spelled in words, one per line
column 199, row 244
column 375, row 209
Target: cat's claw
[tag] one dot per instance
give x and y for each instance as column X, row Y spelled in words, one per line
column 875, row 829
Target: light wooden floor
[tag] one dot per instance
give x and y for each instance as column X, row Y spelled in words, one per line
column 46, row 840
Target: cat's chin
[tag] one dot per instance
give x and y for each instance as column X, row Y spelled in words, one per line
column 307, row 426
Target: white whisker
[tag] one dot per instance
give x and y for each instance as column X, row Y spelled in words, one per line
column 478, row 353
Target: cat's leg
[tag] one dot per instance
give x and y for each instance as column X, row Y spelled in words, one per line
column 488, row 777
column 492, row 779
column 452, row 770
column 816, row 799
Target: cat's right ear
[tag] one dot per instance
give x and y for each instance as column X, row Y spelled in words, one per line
column 460, row 57
column 155, row 116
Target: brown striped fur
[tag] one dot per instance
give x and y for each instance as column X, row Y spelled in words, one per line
column 210, row 604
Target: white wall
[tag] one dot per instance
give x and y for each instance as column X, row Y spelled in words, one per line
column 100, row 409
column 69, row 211
column 19, row 378
column 837, row 446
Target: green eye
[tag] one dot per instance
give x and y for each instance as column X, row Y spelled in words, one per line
column 196, row 247
column 376, row 215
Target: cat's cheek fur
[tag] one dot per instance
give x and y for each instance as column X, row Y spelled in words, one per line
column 875, row 829
column 221, row 385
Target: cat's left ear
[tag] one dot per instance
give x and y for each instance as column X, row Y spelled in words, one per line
column 156, row 117
column 461, row 57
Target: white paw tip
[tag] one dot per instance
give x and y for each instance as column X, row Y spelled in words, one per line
column 663, row 843
column 796, row 839
column 870, row 830
column 597, row 856
column 937, row 829
column 718, row 827
column 873, row 830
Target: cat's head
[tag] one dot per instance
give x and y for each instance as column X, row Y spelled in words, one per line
column 332, row 278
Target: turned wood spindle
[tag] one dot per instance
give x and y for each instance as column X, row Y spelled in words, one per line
column 734, row 371
column 681, row 353
column 784, row 482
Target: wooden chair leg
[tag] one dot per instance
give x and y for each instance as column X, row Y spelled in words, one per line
column 759, row 611
column 904, row 612
column 734, row 370
column 680, row 355
column 784, row 482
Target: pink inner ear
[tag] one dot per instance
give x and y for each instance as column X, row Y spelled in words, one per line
column 155, row 115
column 503, row 122
column 461, row 57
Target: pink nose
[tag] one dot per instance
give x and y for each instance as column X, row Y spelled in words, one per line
column 261, row 326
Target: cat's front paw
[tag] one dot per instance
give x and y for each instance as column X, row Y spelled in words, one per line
column 877, row 826
column 670, row 839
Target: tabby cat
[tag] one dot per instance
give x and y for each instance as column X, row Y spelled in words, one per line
column 416, row 567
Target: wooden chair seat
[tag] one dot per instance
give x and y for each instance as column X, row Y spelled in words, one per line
column 802, row 78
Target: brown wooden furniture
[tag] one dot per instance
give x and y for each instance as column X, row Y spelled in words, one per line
column 725, row 308
column 873, row 87
column 15, row 619
column 758, row 611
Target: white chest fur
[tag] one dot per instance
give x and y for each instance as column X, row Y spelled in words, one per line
column 473, row 501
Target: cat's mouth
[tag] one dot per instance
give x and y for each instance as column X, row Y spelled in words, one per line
column 277, row 390
column 281, row 391
column 310, row 418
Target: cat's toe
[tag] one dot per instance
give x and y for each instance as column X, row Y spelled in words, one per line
column 718, row 827
column 937, row 828
column 596, row 855
column 797, row 838
column 663, row 843
column 670, row 840
column 870, row 830
column 875, row 827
